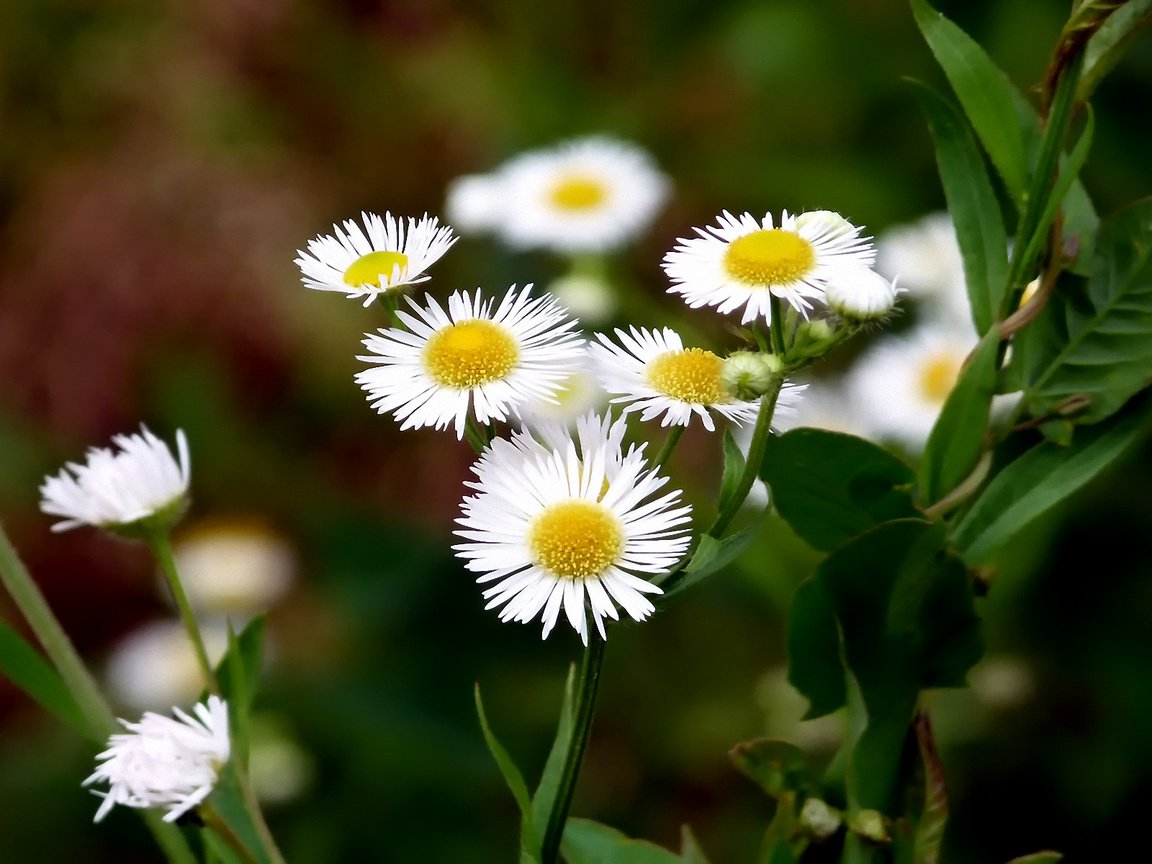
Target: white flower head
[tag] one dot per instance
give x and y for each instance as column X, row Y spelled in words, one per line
column 118, row 490
column 155, row 665
column 477, row 353
column 475, row 203
column 385, row 255
column 586, row 195
column 577, row 393
column 861, row 295
column 653, row 372
column 743, row 262
column 236, row 568
column 163, row 761
column 570, row 527
column 925, row 257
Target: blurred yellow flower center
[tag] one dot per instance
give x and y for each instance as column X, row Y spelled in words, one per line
column 576, row 539
column 578, row 193
column 938, row 376
column 692, row 375
column 375, row 268
column 470, row 353
column 769, row 257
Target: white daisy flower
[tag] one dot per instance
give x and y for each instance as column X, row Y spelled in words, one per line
column 155, row 665
column 586, row 195
column 383, row 256
column 825, row 406
column 570, row 527
column 165, row 762
column 493, row 359
column 926, row 258
column 744, row 261
column 577, row 393
column 119, row 490
column 475, row 203
column 861, row 295
column 656, row 374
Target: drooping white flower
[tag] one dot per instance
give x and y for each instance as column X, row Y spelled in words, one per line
column 586, row 195
column 861, row 295
column 492, row 358
column 165, row 762
column 654, row 373
column 575, row 527
column 743, row 261
column 118, row 489
column 384, row 255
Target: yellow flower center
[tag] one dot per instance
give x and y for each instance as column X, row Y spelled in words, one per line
column 938, row 376
column 578, row 193
column 576, row 539
column 470, row 353
column 769, row 257
column 692, row 375
column 374, row 268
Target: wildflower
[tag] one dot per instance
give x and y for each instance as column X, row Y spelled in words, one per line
column 139, row 485
column 383, row 256
column 233, row 568
column 861, row 295
column 743, row 261
column 492, row 359
column 155, row 664
column 474, row 203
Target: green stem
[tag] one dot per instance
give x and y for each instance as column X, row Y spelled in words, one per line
column 670, row 441
column 777, row 326
column 162, row 549
column 267, row 841
column 215, row 823
column 475, row 437
column 587, row 686
column 76, row 677
column 755, row 457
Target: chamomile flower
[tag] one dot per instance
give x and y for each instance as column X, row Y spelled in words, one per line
column 926, row 257
column 587, row 195
column 577, row 393
column 743, row 262
column 383, row 256
column 119, row 489
column 573, row 528
column 475, row 203
column 163, row 761
column 477, row 353
column 656, row 374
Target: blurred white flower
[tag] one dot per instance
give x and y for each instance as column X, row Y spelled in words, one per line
column 589, row 298
column 475, row 203
column 825, row 405
column 165, row 762
column 120, row 490
column 576, row 394
column 233, row 568
column 280, row 769
column 155, row 665
column 925, row 257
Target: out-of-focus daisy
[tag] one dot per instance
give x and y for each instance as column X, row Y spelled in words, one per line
column 570, row 528
column 586, row 195
column 155, row 666
column 119, row 489
column 493, row 359
column 742, row 261
column 925, row 257
column 475, row 203
column 383, row 256
column 825, row 406
column 576, row 394
column 589, row 298
column 234, row 568
column 280, row 768
column 656, row 374
column 165, row 762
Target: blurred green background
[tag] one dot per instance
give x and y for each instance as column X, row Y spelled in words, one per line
column 160, row 163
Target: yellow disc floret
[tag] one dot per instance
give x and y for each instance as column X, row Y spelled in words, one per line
column 692, row 375
column 938, row 375
column 375, row 268
column 576, row 539
column 769, row 257
column 470, row 353
column 578, row 193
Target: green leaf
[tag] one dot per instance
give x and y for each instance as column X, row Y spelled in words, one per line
column 239, row 669
column 1043, row 477
column 712, row 556
column 27, row 669
column 1039, row 858
column 830, row 486
column 588, row 842
column 513, row 779
column 223, row 853
column 227, row 801
column 1092, row 343
column 545, row 797
column 1109, row 43
column 779, row 839
column 814, row 664
column 690, row 850
column 985, row 92
column 957, row 438
column 733, row 469
column 973, row 206
column 777, row 766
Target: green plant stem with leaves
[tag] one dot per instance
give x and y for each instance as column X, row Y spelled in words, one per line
column 161, row 547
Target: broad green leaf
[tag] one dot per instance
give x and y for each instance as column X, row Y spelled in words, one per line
column 1109, row 43
column 712, row 556
column 223, row 853
column 1092, row 343
column 733, row 469
column 1039, row 858
column 830, row 486
column 777, row 766
column 814, row 664
column 984, row 91
column 23, row 665
column 690, row 850
column 513, row 779
column 227, row 801
column 1042, row 478
column 239, row 670
column 957, row 438
column 545, row 797
column 588, row 842
column 973, row 206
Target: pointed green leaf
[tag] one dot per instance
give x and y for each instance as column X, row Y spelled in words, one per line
column 777, row 766
column 984, row 91
column 1042, row 478
column 957, row 438
column 239, row 670
column 690, row 850
column 712, row 556
column 588, row 842
column 1109, row 43
column 227, row 801
column 814, row 664
column 733, row 470
column 1039, row 858
column 513, row 779
column 223, row 853
column 545, row 797
column 830, row 487
column 23, row 665
column 973, row 206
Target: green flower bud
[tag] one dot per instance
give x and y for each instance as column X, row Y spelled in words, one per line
column 819, row 820
column 747, row 375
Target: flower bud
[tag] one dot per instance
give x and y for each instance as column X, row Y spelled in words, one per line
column 820, row 820
column 748, row 375
column 871, row 825
column 858, row 294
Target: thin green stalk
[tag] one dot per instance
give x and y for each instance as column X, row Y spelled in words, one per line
column 777, row 326
column 162, row 549
column 587, row 685
column 755, row 457
column 79, row 681
column 670, row 441
column 267, row 841
column 475, row 437
column 216, row 824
